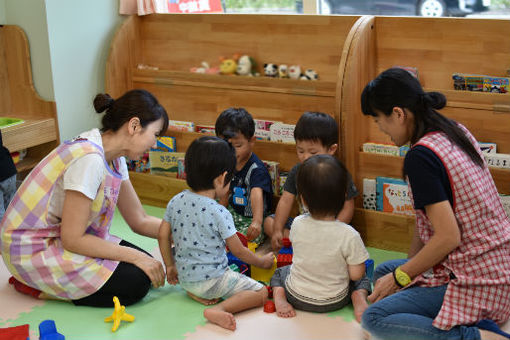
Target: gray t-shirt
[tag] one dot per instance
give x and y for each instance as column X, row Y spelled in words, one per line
column 199, row 228
column 291, row 183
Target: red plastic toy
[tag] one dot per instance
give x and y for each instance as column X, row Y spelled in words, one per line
column 286, row 242
column 269, row 307
column 14, row 333
column 283, row 260
column 269, row 292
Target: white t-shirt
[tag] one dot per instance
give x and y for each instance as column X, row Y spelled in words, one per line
column 84, row 174
column 322, row 250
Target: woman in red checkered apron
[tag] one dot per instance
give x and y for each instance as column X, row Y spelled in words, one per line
column 55, row 237
column 455, row 283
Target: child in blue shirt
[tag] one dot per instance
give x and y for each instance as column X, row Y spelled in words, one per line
column 250, row 190
column 200, row 228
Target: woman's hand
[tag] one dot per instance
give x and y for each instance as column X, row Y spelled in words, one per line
column 153, row 268
column 385, row 286
column 171, row 275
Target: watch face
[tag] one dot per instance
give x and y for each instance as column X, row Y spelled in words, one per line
column 403, row 279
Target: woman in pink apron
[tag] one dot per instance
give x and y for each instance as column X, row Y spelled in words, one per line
column 55, row 233
column 455, row 283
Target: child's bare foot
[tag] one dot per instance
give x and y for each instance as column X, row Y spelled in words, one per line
column 359, row 302
column 221, row 318
column 284, row 309
column 202, row 300
column 487, row 335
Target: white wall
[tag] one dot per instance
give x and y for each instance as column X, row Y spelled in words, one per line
column 69, row 41
column 30, row 15
column 79, row 37
column 2, row 12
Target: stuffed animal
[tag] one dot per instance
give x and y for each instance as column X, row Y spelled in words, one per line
column 205, row 69
column 309, row 75
column 283, row 71
column 228, row 66
column 271, row 70
column 294, row 71
column 246, row 66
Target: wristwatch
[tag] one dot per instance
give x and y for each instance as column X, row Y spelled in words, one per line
column 402, row 279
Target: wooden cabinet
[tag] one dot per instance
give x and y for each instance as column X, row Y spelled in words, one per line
column 18, row 99
column 175, row 43
column 437, row 47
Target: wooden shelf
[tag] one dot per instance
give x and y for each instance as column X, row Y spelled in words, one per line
column 155, row 189
column 27, row 164
column 384, row 230
column 497, row 102
column 284, row 153
column 260, row 84
column 373, row 165
column 30, row 133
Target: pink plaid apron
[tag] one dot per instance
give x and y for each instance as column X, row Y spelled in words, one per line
column 481, row 264
column 31, row 246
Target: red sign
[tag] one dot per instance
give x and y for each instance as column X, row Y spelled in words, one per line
column 195, row 6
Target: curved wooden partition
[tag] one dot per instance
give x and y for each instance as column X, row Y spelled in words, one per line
column 19, row 99
column 437, row 47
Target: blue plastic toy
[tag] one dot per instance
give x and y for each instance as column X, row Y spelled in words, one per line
column 369, row 268
column 48, row 331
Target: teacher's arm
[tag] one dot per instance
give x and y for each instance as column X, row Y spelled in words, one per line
column 75, row 216
column 132, row 211
column 445, row 239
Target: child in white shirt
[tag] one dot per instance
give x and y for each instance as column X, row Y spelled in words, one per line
column 328, row 254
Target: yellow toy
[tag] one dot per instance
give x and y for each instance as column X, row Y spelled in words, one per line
column 260, row 274
column 119, row 314
column 228, row 65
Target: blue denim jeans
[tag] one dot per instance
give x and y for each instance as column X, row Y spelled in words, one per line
column 408, row 314
column 7, row 191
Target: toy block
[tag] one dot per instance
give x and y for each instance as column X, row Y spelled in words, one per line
column 14, row 333
column 48, row 331
column 243, row 267
column 284, row 260
column 286, row 250
column 264, row 275
column 286, row 242
column 269, row 307
column 269, row 292
column 369, row 268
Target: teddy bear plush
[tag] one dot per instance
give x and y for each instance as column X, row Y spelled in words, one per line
column 271, row 70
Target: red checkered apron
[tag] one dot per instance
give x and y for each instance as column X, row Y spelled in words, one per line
column 481, row 264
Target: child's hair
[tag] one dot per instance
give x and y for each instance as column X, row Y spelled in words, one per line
column 396, row 87
column 207, row 158
column 317, row 126
column 135, row 103
column 322, row 183
column 233, row 121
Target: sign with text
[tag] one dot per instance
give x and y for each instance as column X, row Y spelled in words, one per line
column 195, row 6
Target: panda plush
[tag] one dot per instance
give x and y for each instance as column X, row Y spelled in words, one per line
column 271, row 70
column 309, row 75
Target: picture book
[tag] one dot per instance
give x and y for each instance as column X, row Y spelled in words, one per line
column 178, row 125
column 488, row 147
column 369, row 194
column 165, row 143
column 165, row 163
column 505, row 200
column 393, row 196
column 262, row 129
column 281, row 132
column 495, row 84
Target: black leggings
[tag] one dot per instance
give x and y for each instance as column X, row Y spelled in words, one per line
column 128, row 282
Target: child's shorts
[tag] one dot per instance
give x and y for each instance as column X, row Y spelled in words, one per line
column 224, row 286
column 287, row 224
column 242, row 224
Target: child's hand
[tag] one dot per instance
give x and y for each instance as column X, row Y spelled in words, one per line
column 253, row 231
column 267, row 261
column 171, row 275
column 276, row 241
